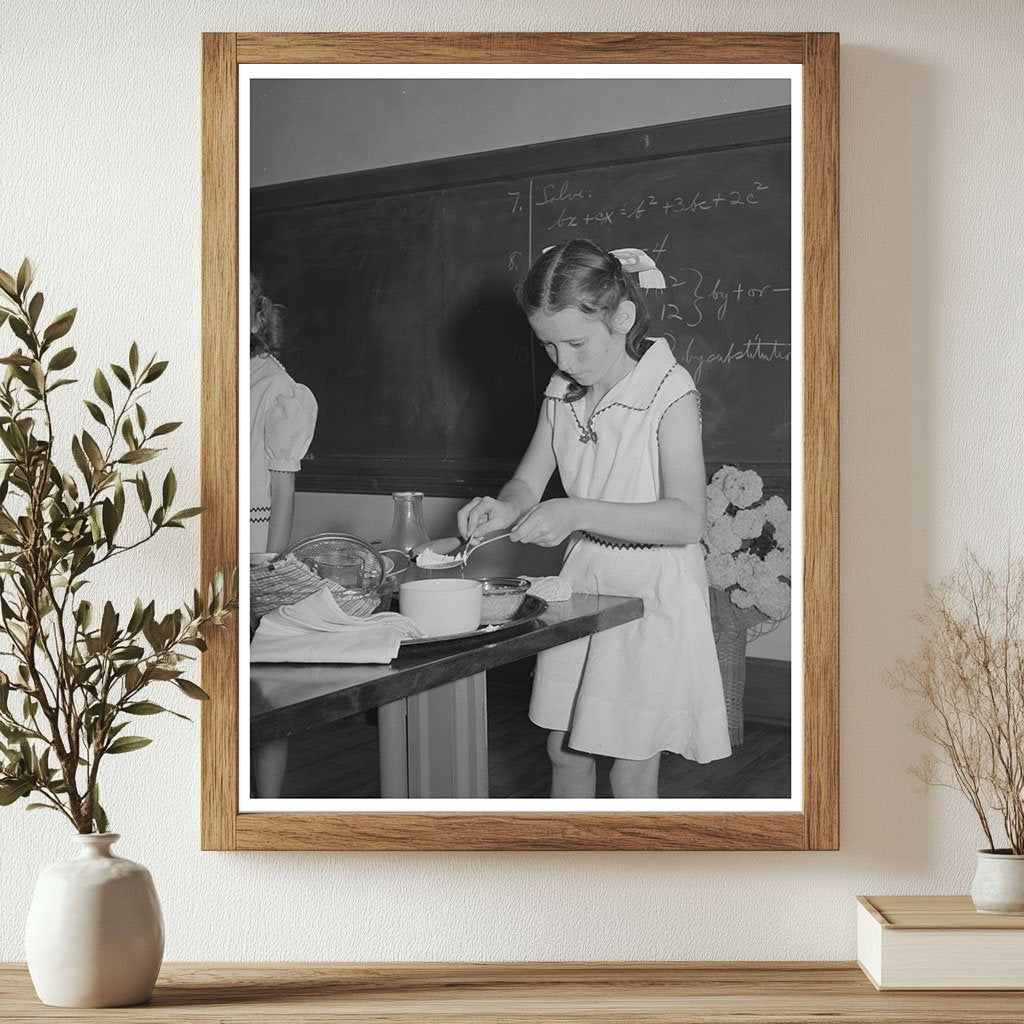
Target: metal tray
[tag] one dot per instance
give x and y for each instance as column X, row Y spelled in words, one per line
column 530, row 610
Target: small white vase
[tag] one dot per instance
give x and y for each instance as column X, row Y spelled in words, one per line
column 999, row 883
column 95, row 934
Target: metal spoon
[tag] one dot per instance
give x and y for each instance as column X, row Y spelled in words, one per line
column 470, row 548
column 461, row 549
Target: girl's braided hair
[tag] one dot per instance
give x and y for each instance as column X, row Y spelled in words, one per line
column 580, row 274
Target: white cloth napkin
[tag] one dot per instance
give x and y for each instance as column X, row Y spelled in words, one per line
column 315, row 629
column 549, row 588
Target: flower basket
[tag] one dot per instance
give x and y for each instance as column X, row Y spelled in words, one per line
column 746, row 543
column 730, row 626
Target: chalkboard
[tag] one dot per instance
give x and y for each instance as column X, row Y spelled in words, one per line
column 402, row 318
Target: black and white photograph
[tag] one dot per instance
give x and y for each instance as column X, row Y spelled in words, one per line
column 524, row 431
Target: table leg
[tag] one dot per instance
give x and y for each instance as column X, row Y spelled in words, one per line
column 447, row 740
column 392, row 740
column 269, row 763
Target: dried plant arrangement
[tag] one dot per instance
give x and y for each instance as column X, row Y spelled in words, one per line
column 82, row 672
column 966, row 681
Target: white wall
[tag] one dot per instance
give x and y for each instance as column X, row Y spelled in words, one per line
column 305, row 128
column 100, row 173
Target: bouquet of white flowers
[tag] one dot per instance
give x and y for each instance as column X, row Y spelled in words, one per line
column 747, row 541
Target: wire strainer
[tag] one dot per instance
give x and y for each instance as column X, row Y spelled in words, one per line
column 343, row 558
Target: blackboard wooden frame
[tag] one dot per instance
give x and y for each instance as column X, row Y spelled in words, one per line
column 816, row 827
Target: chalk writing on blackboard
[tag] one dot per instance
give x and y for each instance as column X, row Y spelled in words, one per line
column 400, row 289
column 635, row 208
column 763, row 350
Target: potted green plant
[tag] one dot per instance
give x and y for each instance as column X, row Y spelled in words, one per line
column 966, row 682
column 84, row 671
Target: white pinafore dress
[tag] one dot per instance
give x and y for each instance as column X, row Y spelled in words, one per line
column 282, row 418
column 653, row 684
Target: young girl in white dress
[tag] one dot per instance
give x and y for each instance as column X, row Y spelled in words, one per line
column 282, row 418
column 621, row 423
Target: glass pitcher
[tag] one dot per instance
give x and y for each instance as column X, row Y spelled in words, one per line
column 407, row 529
column 408, row 533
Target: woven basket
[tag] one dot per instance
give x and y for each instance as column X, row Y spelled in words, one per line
column 730, row 626
column 290, row 577
column 287, row 580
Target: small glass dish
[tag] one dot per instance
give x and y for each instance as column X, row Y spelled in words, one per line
column 502, row 598
column 344, row 569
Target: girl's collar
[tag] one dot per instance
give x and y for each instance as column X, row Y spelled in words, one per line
column 638, row 387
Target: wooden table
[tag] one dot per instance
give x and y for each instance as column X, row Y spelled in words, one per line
column 794, row 993
column 432, row 708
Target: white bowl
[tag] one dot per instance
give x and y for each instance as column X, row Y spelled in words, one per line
column 442, row 607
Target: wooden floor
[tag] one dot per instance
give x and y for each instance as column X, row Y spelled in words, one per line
column 343, row 763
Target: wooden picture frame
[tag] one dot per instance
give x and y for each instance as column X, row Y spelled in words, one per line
column 816, row 826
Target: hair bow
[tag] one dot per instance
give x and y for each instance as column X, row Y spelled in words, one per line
column 636, row 261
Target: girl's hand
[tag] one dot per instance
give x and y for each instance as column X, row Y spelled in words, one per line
column 548, row 523
column 486, row 515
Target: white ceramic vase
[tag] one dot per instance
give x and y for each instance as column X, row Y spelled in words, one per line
column 95, row 934
column 999, row 883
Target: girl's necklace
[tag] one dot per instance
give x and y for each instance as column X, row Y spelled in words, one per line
column 587, row 432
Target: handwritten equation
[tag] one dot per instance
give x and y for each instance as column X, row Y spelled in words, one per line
column 693, row 296
column 574, row 209
column 704, row 315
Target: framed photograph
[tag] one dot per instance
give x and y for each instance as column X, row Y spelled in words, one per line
column 579, row 287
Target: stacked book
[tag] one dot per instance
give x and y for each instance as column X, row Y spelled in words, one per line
column 938, row 942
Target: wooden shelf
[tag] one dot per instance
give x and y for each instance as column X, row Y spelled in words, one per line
column 659, row 993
